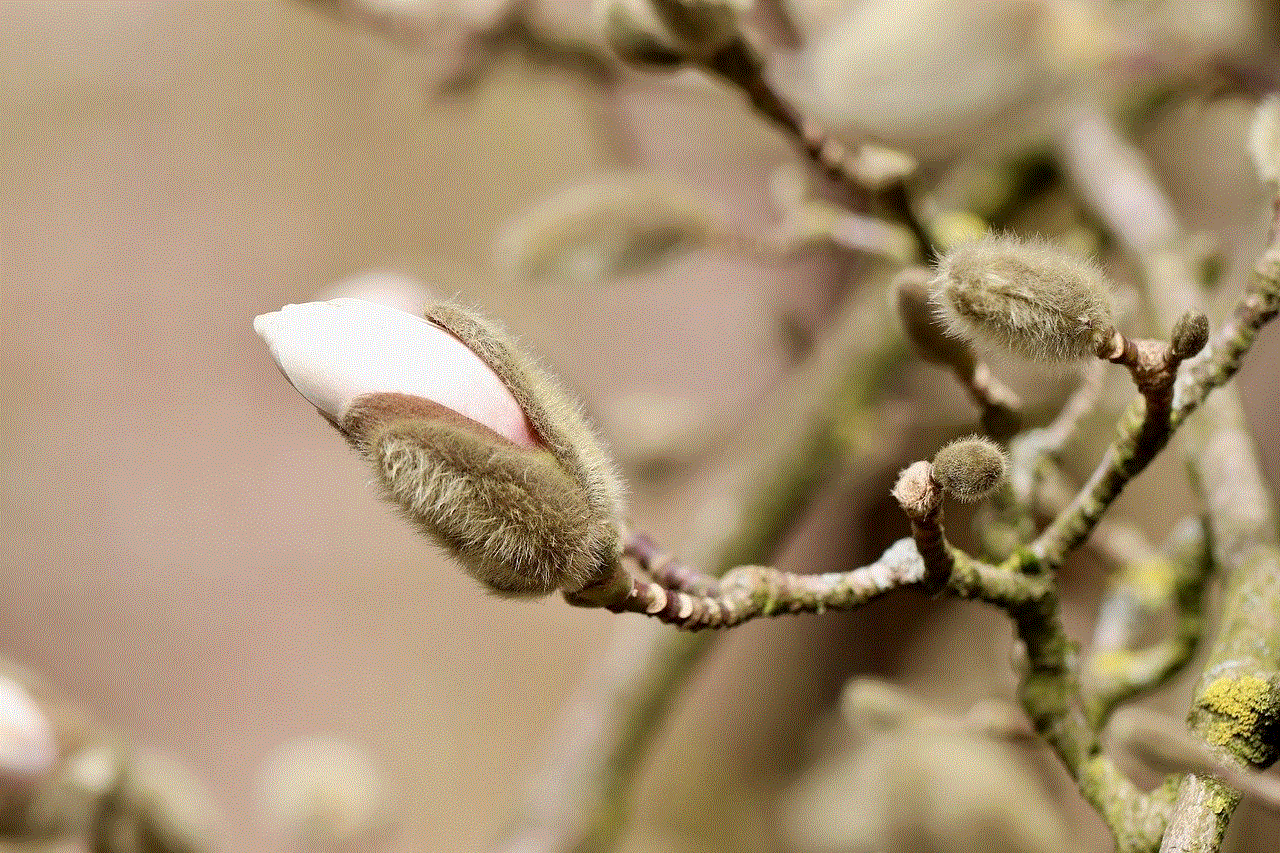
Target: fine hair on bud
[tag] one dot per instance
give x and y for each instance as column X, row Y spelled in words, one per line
column 513, row 517
column 1028, row 297
column 921, row 322
column 563, row 429
column 969, row 469
column 1190, row 334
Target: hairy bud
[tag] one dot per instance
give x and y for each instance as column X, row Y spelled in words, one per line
column 1029, row 297
column 473, row 441
column 1190, row 334
column 969, row 469
column 921, row 323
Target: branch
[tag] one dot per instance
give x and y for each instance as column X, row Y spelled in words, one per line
column 869, row 167
column 1237, row 697
column 579, row 799
column 1144, row 430
column 747, row 592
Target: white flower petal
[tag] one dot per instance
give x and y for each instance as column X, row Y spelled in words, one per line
column 28, row 748
column 333, row 352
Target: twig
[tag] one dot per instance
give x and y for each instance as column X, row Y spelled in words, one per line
column 1115, row 540
column 748, row 592
column 859, row 172
column 1144, row 430
column 1114, row 671
column 579, row 798
column 668, row 571
column 1245, row 654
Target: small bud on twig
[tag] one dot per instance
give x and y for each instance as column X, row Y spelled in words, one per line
column 1029, row 297
column 970, row 469
column 1190, row 334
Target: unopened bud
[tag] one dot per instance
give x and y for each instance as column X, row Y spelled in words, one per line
column 1029, row 297
column 475, row 443
column 616, row 225
column 969, row 469
column 1264, row 140
column 922, row 324
column 1190, row 334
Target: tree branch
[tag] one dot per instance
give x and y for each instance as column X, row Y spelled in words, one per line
column 579, row 799
column 1237, row 696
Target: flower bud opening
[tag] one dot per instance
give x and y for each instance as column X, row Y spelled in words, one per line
column 333, row 352
column 470, row 438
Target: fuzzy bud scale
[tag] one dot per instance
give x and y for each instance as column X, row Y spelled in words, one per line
column 1029, row 297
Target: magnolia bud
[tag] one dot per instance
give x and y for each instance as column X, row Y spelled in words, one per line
column 969, row 469
column 1027, row 296
column 1190, row 334
column 472, row 440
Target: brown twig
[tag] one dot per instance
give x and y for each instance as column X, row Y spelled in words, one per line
column 748, row 592
column 1144, row 430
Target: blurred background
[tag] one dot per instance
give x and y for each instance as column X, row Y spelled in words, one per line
column 196, row 558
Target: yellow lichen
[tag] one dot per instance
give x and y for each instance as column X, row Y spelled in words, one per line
column 1238, row 713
